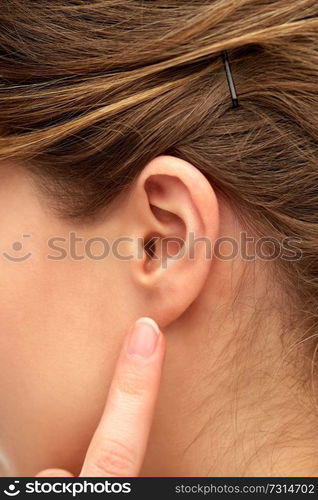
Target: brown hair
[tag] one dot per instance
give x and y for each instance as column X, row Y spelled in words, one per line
column 91, row 90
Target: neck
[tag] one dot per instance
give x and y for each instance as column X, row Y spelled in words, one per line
column 238, row 405
column 252, row 427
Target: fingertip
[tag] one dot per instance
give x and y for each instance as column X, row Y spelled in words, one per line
column 54, row 473
column 150, row 322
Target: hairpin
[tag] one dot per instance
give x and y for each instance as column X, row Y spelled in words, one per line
column 227, row 66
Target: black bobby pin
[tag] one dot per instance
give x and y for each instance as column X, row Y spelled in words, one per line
column 230, row 81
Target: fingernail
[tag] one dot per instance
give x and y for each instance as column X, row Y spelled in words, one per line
column 143, row 338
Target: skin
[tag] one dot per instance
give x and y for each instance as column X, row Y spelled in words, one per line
column 235, row 396
column 119, row 443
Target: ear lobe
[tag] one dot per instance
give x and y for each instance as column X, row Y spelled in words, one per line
column 178, row 224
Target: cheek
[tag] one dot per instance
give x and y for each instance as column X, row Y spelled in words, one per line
column 62, row 324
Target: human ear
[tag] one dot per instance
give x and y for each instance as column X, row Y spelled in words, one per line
column 172, row 209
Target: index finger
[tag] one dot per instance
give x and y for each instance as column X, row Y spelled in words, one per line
column 118, row 446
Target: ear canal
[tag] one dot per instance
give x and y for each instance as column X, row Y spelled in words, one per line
column 150, row 246
column 159, row 249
